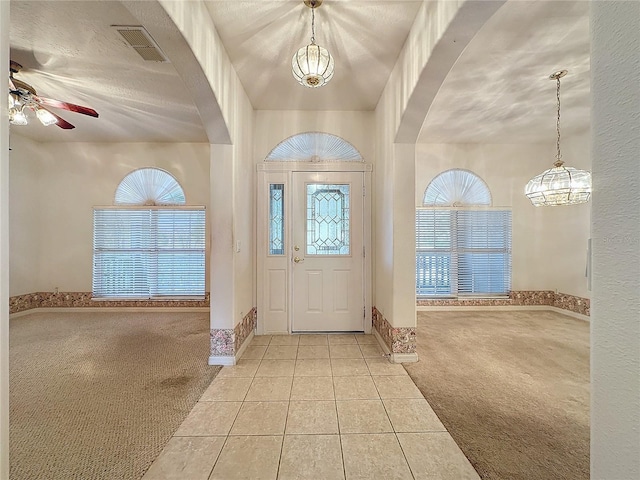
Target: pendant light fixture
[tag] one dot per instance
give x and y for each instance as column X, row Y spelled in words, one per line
column 559, row 185
column 312, row 66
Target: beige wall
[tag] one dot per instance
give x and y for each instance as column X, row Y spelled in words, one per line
column 549, row 243
column 53, row 189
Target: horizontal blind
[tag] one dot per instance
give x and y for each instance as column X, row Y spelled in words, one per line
column 484, row 252
column 435, row 259
column 463, row 252
column 148, row 252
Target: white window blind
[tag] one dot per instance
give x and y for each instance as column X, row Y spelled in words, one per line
column 149, row 252
column 463, row 252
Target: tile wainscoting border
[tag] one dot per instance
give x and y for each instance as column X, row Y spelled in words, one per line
column 563, row 301
column 21, row 303
column 400, row 342
column 228, row 344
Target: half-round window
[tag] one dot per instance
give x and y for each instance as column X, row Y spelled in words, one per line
column 456, row 188
column 314, row 147
column 149, row 186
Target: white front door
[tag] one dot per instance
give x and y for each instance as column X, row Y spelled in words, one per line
column 327, row 252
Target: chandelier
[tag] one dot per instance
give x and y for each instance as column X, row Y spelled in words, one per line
column 559, row 185
column 312, row 66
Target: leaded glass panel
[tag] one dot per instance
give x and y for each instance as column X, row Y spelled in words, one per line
column 328, row 219
column 276, row 219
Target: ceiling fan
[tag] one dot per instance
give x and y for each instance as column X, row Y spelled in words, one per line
column 23, row 96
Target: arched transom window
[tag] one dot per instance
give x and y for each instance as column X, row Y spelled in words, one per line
column 314, row 147
column 456, row 188
column 149, row 186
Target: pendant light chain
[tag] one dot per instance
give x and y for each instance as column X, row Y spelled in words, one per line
column 313, row 25
column 559, row 161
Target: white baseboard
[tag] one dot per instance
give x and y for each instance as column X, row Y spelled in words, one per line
column 404, row 357
column 220, row 360
column 497, row 308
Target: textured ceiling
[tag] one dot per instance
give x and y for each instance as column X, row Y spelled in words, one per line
column 69, row 52
column 497, row 91
column 364, row 37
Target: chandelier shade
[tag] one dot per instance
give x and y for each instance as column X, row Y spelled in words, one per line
column 312, row 66
column 559, row 185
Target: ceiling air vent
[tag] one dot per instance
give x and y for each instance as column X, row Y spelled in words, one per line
column 141, row 41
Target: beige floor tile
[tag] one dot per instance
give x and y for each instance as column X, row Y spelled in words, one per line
column 254, row 352
column 378, row 456
column 312, row 388
column 266, row 389
column 186, row 457
column 362, row 416
column 345, row 351
column 382, row 366
column 226, row 390
column 354, row 388
column 281, row 352
column 342, row 339
column 312, row 417
column 396, row 387
column 313, row 340
column 285, row 340
column 371, row 351
column 313, row 368
column 248, row 457
column 412, row 415
column 208, row 419
column 366, row 340
column 436, row 455
column 261, row 418
column 244, row 368
column 276, row 368
column 311, row 457
column 313, row 351
column 261, row 340
column 341, row 367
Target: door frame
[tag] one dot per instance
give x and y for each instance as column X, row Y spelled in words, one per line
column 269, row 322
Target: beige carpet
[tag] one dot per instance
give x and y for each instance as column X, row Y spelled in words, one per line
column 97, row 395
column 512, row 388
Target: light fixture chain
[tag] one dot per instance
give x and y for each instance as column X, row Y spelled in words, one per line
column 313, row 25
column 558, row 155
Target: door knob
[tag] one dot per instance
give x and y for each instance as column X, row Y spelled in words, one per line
column 298, row 259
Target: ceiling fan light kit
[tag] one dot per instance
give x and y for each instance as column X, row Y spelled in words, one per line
column 23, row 97
column 559, row 185
column 312, row 66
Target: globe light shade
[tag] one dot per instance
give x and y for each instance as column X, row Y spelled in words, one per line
column 312, row 66
column 559, row 185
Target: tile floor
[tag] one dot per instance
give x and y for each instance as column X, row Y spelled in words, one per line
column 318, row 407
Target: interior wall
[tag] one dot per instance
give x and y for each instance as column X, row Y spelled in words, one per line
column 549, row 244
column 61, row 182
column 25, row 212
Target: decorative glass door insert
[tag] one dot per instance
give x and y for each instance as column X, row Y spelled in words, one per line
column 328, row 220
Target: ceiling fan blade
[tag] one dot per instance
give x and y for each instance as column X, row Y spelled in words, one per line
column 61, row 122
column 67, row 106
